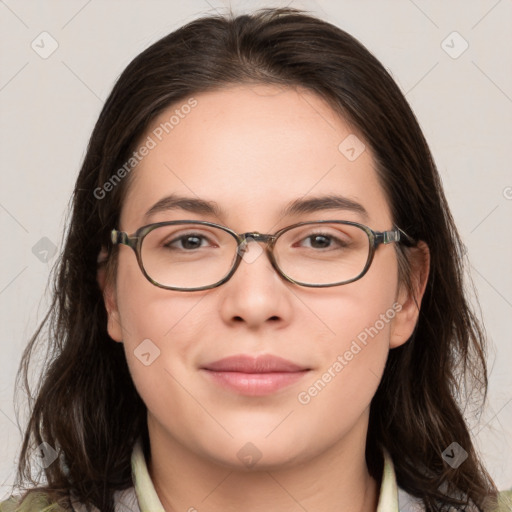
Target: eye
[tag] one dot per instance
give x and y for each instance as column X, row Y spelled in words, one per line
column 319, row 238
column 324, row 241
column 188, row 241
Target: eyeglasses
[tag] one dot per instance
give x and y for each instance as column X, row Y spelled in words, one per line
column 190, row 255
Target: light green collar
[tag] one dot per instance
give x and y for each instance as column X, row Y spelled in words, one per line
column 388, row 496
column 146, row 495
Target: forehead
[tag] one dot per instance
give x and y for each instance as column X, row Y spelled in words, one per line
column 252, row 150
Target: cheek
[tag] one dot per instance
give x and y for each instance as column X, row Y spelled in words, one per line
column 340, row 392
column 147, row 311
column 354, row 349
column 354, row 355
column 162, row 333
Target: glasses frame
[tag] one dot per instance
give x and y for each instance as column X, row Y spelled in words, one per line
column 375, row 238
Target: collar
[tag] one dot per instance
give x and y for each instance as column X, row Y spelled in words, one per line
column 149, row 501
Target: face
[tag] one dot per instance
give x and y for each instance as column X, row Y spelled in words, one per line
column 253, row 151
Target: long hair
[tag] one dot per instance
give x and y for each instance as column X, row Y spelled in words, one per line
column 86, row 406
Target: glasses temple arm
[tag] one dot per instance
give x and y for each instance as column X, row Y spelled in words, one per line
column 395, row 235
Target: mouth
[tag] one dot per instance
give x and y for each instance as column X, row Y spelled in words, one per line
column 254, row 376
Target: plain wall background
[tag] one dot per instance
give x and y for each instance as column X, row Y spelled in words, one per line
column 49, row 107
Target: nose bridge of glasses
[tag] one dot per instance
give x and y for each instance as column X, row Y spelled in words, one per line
column 257, row 237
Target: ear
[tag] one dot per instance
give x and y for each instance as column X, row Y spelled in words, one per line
column 109, row 297
column 410, row 300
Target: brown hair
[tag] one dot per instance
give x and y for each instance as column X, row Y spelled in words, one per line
column 86, row 405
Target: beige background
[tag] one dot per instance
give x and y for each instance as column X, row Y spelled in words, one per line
column 49, row 106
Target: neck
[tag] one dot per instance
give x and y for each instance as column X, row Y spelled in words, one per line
column 336, row 480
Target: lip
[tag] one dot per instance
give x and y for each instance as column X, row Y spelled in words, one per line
column 254, row 376
column 249, row 364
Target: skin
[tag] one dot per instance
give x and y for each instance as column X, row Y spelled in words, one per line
column 253, row 149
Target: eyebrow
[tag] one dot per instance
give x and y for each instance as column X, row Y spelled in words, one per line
column 296, row 207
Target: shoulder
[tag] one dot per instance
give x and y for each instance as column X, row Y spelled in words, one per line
column 409, row 503
column 505, row 501
column 35, row 502
column 124, row 501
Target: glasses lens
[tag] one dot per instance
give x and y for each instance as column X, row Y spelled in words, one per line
column 325, row 253
column 188, row 255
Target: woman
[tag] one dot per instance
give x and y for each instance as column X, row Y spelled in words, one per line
column 200, row 363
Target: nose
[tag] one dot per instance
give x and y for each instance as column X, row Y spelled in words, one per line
column 252, row 294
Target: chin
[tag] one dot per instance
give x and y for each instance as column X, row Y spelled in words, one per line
column 254, row 453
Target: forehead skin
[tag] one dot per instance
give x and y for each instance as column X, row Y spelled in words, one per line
column 252, row 150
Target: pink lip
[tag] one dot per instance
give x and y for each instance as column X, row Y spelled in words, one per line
column 254, row 376
column 249, row 364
